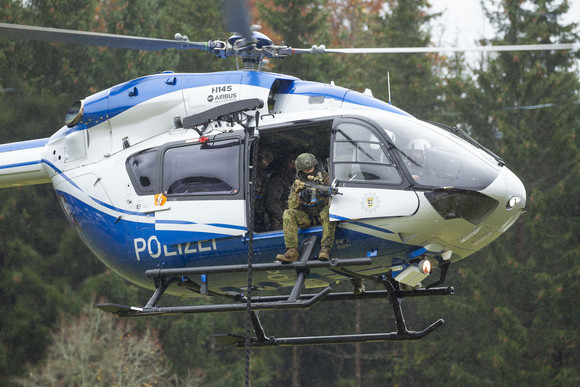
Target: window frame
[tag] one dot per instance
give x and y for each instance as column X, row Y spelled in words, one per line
column 205, row 196
column 137, row 186
column 385, row 146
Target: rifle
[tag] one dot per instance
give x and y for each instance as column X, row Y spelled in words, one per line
column 311, row 190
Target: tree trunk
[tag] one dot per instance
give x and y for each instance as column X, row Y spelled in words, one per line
column 295, row 353
column 357, row 348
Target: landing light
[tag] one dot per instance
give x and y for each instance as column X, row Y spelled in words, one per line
column 512, row 202
column 425, row 266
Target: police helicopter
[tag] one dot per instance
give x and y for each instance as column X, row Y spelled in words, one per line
column 156, row 176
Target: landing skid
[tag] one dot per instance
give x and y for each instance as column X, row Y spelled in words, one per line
column 295, row 300
column 402, row 333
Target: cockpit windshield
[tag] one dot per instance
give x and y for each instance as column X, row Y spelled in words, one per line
column 437, row 158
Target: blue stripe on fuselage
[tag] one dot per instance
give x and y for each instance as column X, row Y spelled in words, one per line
column 361, row 224
column 23, row 145
column 16, row 165
column 132, row 247
column 185, row 222
column 61, row 173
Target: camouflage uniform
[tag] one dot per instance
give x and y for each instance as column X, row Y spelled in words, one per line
column 303, row 211
column 300, row 214
column 261, row 220
column 277, row 195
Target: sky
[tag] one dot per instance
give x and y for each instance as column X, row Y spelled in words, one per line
column 463, row 21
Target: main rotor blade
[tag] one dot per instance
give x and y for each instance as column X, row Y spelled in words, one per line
column 16, row 31
column 237, row 18
column 418, row 50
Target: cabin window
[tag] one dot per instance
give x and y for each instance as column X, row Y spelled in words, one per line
column 359, row 156
column 202, row 169
column 142, row 171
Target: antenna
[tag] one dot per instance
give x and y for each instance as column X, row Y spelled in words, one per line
column 389, row 86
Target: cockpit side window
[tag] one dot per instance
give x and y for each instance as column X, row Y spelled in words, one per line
column 143, row 172
column 202, row 169
column 360, row 156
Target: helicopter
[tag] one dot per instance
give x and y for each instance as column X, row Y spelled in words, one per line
column 157, row 177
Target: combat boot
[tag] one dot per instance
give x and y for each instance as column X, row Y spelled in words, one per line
column 324, row 254
column 357, row 285
column 291, row 255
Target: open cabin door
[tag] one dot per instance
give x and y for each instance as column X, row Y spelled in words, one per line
column 366, row 173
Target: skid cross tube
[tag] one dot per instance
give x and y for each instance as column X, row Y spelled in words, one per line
column 306, row 250
column 161, row 286
column 397, row 309
column 260, row 334
column 335, row 262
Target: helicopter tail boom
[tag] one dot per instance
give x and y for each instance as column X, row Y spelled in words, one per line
column 21, row 163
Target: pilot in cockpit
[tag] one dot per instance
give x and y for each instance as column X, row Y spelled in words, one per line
column 416, row 159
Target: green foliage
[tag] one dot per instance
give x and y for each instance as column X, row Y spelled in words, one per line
column 35, row 282
column 96, row 348
column 525, row 106
column 415, row 84
column 513, row 318
column 299, row 24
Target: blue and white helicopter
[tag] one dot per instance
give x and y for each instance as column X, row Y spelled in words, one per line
column 155, row 175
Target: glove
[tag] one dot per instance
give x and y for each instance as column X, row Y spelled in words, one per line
column 298, row 185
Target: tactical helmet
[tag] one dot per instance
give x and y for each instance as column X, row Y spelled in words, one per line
column 417, row 149
column 419, row 144
column 305, row 161
column 266, row 154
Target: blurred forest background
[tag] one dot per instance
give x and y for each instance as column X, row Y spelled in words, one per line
column 514, row 317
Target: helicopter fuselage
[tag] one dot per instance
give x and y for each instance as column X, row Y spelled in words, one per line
column 145, row 191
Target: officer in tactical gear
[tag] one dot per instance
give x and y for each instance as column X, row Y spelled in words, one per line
column 308, row 203
column 279, row 190
column 262, row 221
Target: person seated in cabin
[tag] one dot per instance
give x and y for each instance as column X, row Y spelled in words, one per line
column 416, row 160
column 307, row 205
column 278, row 191
column 261, row 220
